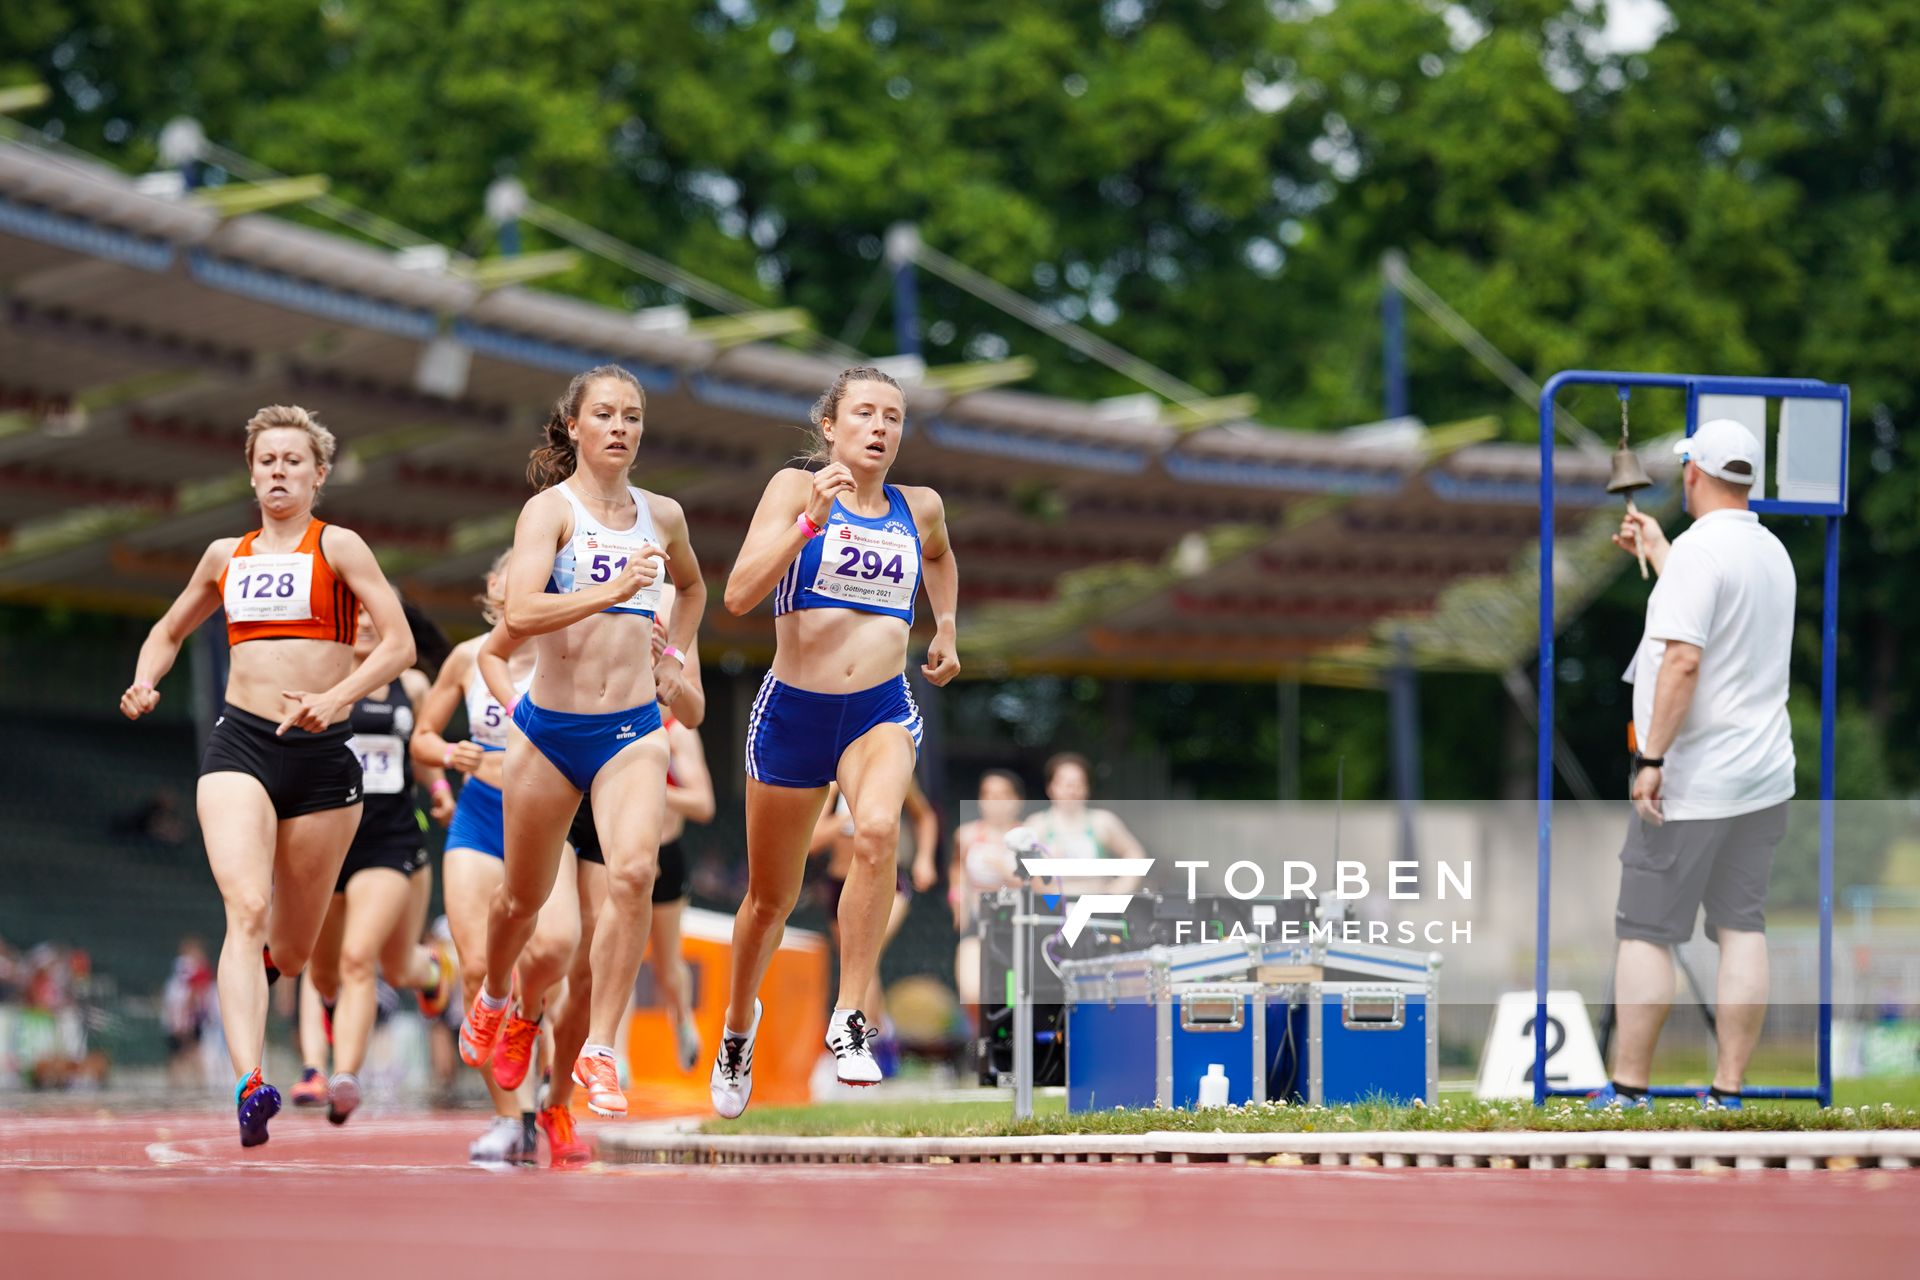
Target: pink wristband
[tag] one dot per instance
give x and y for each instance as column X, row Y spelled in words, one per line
column 440, row 786
column 804, row 523
column 447, row 762
column 675, row 654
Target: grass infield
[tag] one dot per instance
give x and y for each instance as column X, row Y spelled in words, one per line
column 1858, row 1104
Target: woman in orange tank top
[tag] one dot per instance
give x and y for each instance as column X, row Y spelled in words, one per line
column 279, row 793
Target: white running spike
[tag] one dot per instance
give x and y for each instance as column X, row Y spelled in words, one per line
column 731, row 1083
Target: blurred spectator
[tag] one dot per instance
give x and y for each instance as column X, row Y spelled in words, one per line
column 1070, row 829
column 718, row 880
column 12, row 973
column 981, row 863
column 186, row 1008
column 52, row 1035
column 55, row 976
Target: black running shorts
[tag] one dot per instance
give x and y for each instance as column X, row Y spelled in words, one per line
column 394, row 855
column 670, row 885
column 302, row 772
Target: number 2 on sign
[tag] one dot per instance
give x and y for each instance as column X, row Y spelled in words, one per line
column 1556, row 1037
column 855, row 563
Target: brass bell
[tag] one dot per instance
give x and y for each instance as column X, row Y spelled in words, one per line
column 1627, row 473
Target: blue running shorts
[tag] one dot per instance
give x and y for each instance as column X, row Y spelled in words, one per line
column 795, row 737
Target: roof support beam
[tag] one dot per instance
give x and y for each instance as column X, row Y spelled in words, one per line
column 1199, row 414
column 964, row 379
column 1451, row 437
column 750, row 326
column 256, row 197
column 23, row 97
column 519, row 268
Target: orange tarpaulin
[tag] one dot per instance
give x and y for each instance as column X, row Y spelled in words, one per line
column 792, row 1031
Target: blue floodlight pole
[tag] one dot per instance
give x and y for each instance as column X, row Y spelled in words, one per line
column 1694, row 385
column 506, row 202
column 903, row 242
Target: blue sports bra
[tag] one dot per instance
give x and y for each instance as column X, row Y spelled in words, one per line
column 596, row 554
column 869, row 563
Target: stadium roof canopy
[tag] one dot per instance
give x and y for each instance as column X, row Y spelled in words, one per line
column 140, row 331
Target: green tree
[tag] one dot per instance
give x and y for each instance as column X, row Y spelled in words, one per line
column 1208, row 182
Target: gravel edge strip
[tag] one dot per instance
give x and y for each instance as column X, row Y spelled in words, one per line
column 1884, row 1148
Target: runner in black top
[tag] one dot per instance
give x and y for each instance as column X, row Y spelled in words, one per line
column 371, row 922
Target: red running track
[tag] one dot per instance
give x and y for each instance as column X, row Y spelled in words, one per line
column 156, row 1197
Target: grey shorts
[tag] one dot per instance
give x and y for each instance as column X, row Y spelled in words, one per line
column 1667, row 872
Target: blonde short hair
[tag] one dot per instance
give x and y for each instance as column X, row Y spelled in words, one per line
column 492, row 607
column 291, row 415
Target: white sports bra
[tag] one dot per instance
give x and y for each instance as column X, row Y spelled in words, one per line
column 596, row 554
column 486, row 718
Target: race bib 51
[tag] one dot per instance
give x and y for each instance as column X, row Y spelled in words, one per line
column 598, row 559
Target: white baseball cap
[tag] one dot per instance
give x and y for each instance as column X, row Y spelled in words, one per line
column 1724, row 449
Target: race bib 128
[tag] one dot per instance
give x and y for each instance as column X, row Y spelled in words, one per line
column 276, row 588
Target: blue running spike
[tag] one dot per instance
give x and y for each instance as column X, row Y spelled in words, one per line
column 258, row 1107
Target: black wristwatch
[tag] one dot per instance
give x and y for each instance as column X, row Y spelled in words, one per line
column 1646, row 762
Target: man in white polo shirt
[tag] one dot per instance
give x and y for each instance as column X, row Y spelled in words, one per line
column 1713, row 771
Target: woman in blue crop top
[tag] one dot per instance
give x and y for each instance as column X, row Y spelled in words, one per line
column 844, row 554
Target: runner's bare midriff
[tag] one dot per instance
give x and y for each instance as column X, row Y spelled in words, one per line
column 600, row 664
column 838, row 650
column 260, row 671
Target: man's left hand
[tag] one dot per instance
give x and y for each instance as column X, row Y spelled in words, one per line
column 1646, row 795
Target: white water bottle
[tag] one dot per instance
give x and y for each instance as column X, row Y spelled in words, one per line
column 1213, row 1086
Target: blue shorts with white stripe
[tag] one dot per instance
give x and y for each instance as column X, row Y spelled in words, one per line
column 795, row 737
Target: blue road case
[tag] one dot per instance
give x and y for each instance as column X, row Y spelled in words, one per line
column 1351, row 1041
column 1139, row 1035
column 1136, row 1052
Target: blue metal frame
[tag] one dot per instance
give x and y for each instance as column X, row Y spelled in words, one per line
column 1694, row 385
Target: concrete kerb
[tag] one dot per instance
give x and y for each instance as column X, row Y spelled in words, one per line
column 1895, row 1149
